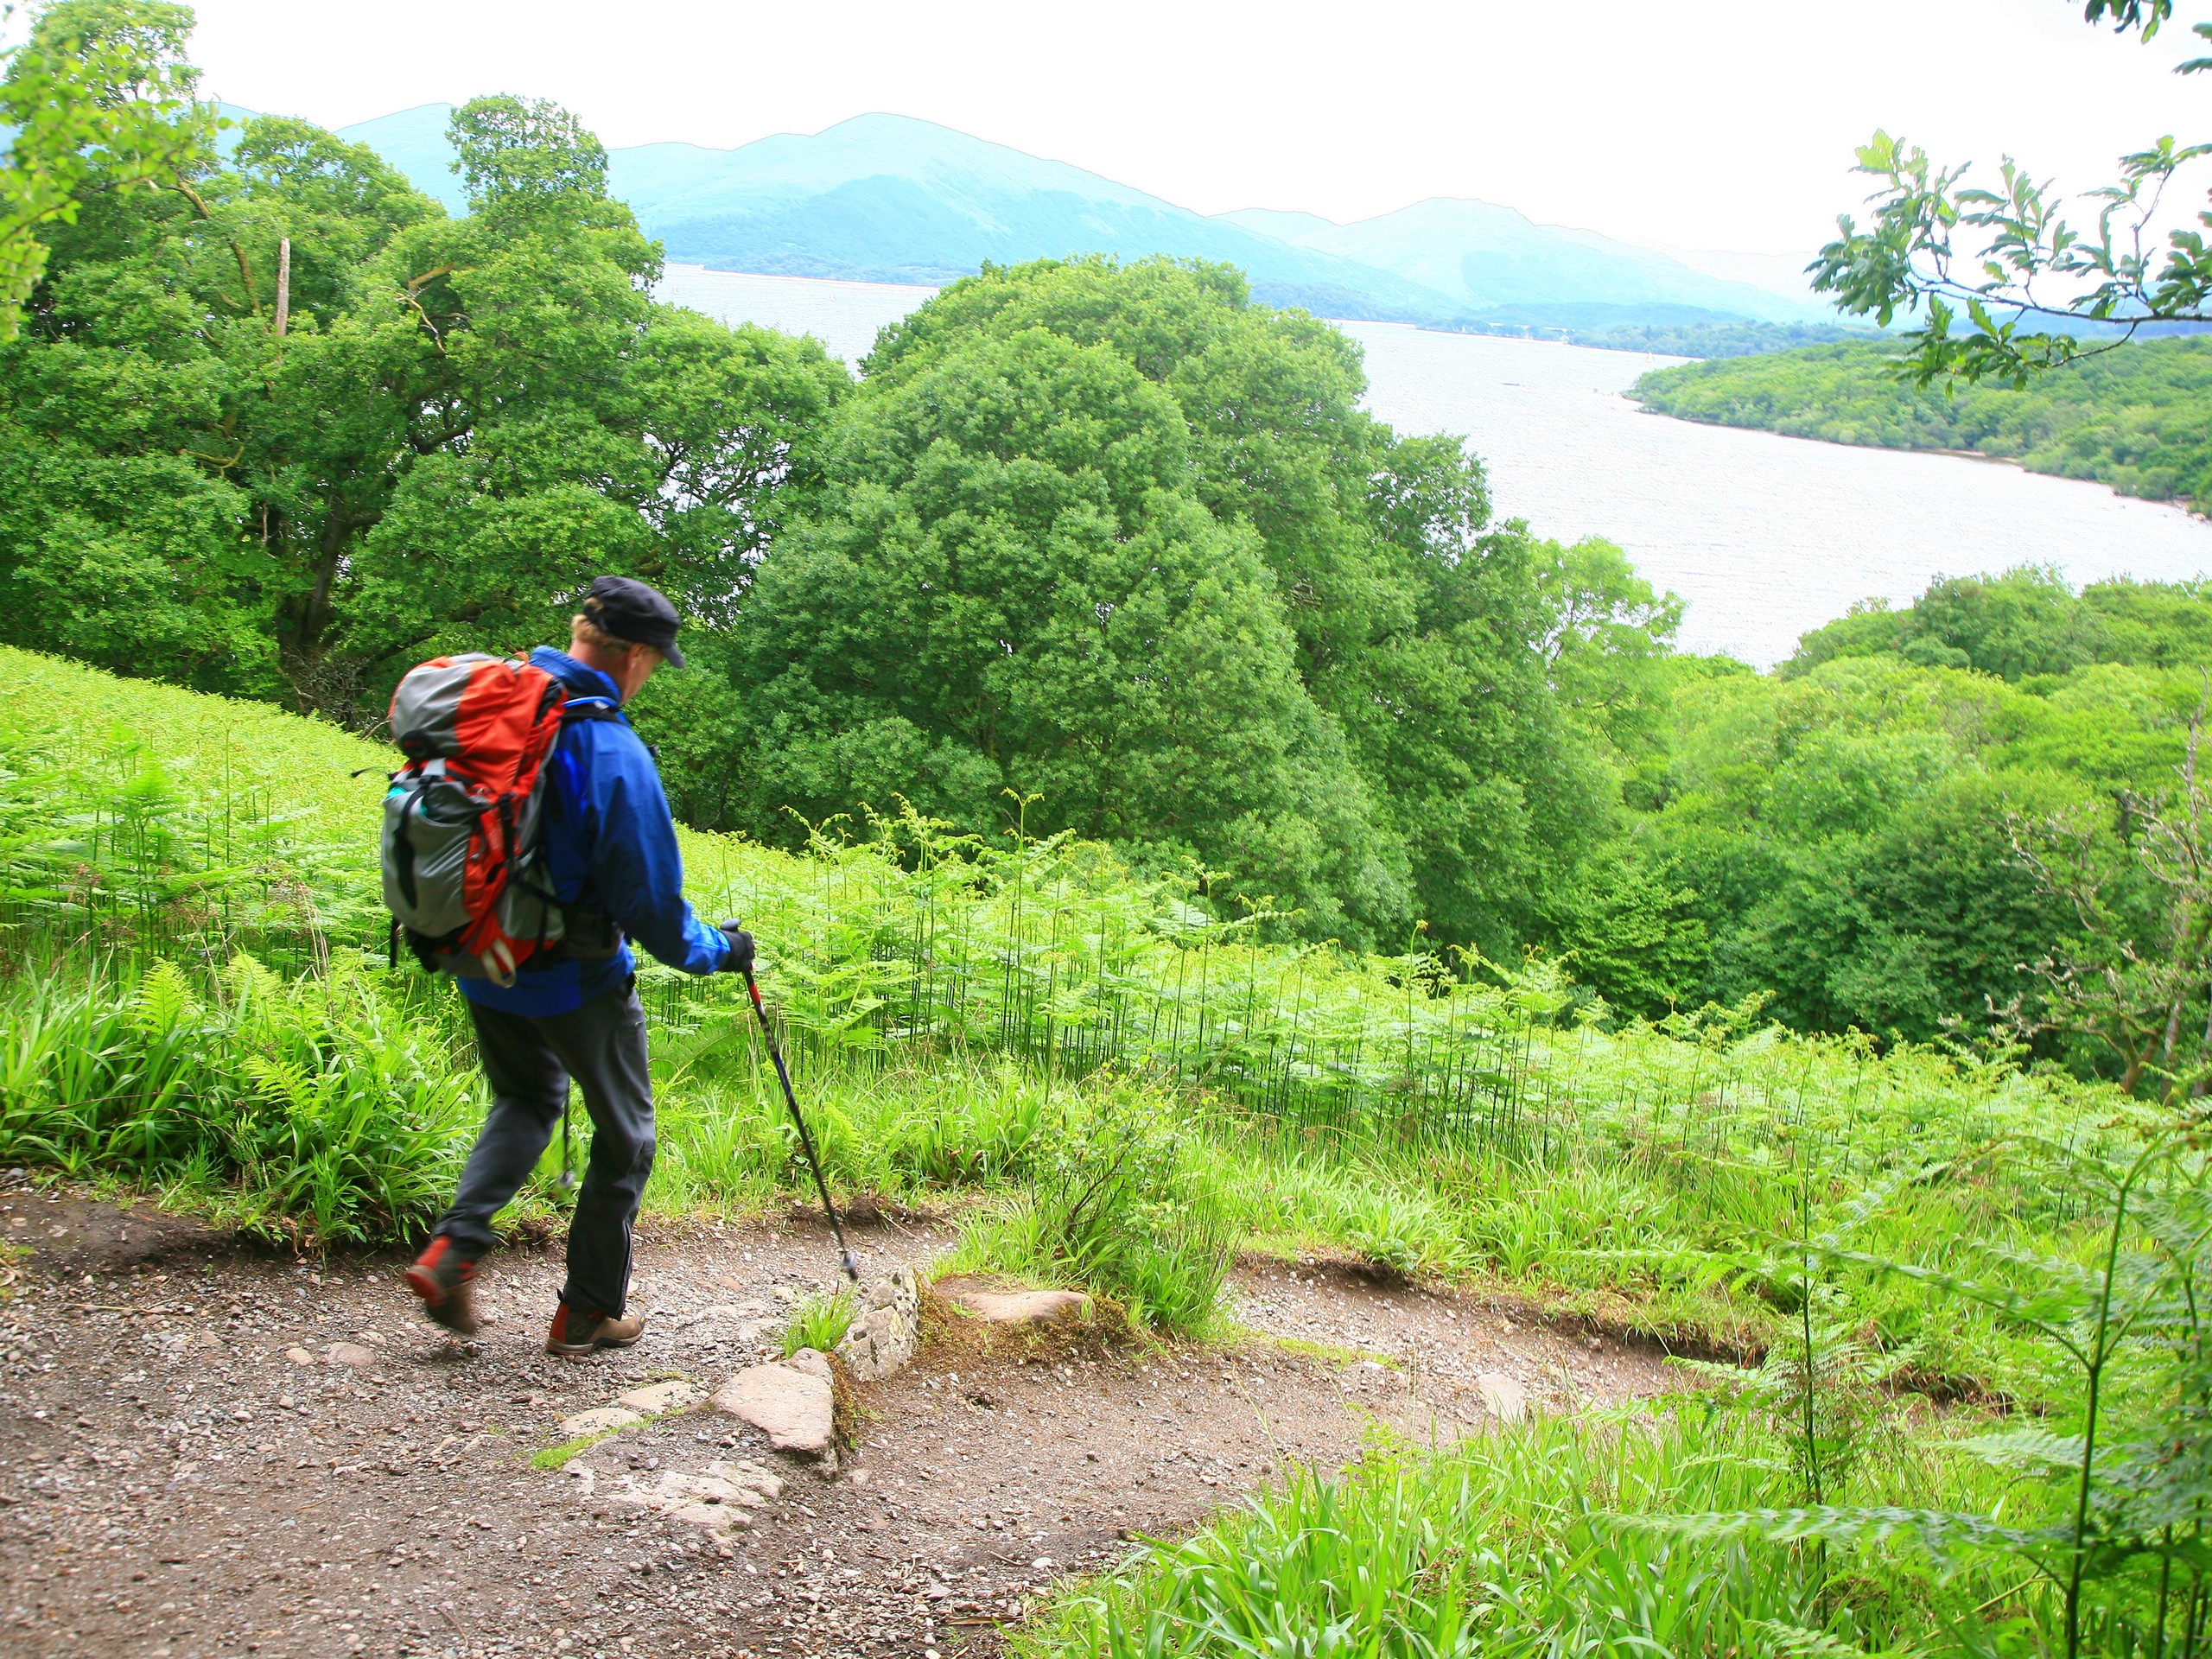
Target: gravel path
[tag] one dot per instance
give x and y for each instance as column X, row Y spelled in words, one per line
column 209, row 1451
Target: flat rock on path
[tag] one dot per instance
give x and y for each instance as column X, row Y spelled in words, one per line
column 1017, row 1307
column 174, row 1483
column 790, row 1401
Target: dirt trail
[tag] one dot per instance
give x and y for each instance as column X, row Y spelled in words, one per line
column 184, row 1471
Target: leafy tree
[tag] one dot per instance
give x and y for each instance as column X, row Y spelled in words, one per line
column 1846, row 836
column 1632, row 933
column 97, row 94
column 2027, row 621
column 459, row 423
column 2024, row 624
column 1920, row 919
column 119, row 507
column 560, row 423
column 2160, row 624
column 521, row 156
column 1609, row 646
column 1007, row 589
column 2133, row 975
column 1426, row 766
column 2037, row 290
column 1870, row 628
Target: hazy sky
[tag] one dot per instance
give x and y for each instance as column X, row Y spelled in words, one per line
column 1705, row 125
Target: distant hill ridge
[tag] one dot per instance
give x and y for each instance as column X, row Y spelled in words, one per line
column 891, row 199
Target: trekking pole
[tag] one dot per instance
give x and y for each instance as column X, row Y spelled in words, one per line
column 783, row 1076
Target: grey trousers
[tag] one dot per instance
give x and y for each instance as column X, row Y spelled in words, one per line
column 529, row 1063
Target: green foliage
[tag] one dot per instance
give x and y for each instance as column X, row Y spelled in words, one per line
column 1853, row 830
column 1000, row 1020
column 457, row 425
column 1785, row 1509
column 818, row 1322
column 2038, row 292
column 1009, row 590
column 1116, row 540
column 1919, row 821
column 1633, row 935
column 2026, row 624
column 1716, row 340
column 315, row 1111
column 1510, row 1543
column 2117, row 1541
column 98, row 97
column 140, row 816
column 1119, row 539
column 2134, row 418
column 518, row 154
column 1111, row 1202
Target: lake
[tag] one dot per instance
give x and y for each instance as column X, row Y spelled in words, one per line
column 1765, row 536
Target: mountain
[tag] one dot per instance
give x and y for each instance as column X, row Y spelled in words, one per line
column 1284, row 226
column 888, row 198
column 413, row 141
column 1501, row 266
column 1777, row 273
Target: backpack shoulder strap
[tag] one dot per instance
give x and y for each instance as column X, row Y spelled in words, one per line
column 580, row 711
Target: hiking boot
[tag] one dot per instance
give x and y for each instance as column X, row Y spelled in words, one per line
column 578, row 1333
column 447, row 1283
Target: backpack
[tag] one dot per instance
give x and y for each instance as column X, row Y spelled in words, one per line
column 462, row 854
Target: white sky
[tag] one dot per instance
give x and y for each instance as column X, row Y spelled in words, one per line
column 1706, row 125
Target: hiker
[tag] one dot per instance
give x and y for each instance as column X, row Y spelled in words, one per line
column 608, row 851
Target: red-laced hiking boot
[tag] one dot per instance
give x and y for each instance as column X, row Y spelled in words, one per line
column 577, row 1332
column 446, row 1285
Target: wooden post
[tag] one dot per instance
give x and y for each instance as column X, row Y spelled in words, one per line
column 283, row 284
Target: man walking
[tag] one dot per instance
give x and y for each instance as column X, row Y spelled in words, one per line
column 610, row 856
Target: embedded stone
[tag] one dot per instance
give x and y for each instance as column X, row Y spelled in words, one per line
column 707, row 1489
column 789, row 1402
column 349, row 1353
column 613, row 1503
column 713, row 1516
column 1502, row 1397
column 1024, row 1307
column 749, row 1476
column 660, row 1398
column 600, row 1420
column 883, row 1339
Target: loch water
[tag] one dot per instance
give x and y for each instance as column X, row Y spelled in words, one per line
column 1765, row 536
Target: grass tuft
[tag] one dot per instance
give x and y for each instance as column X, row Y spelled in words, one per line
column 819, row 1321
column 1114, row 1206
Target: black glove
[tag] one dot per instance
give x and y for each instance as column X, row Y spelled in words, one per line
column 739, row 960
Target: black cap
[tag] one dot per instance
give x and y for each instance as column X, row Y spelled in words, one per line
column 629, row 609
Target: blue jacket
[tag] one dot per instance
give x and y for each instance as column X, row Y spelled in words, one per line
column 608, row 838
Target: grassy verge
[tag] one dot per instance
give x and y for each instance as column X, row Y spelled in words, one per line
column 1547, row 1539
column 1118, row 1090
column 334, row 1107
